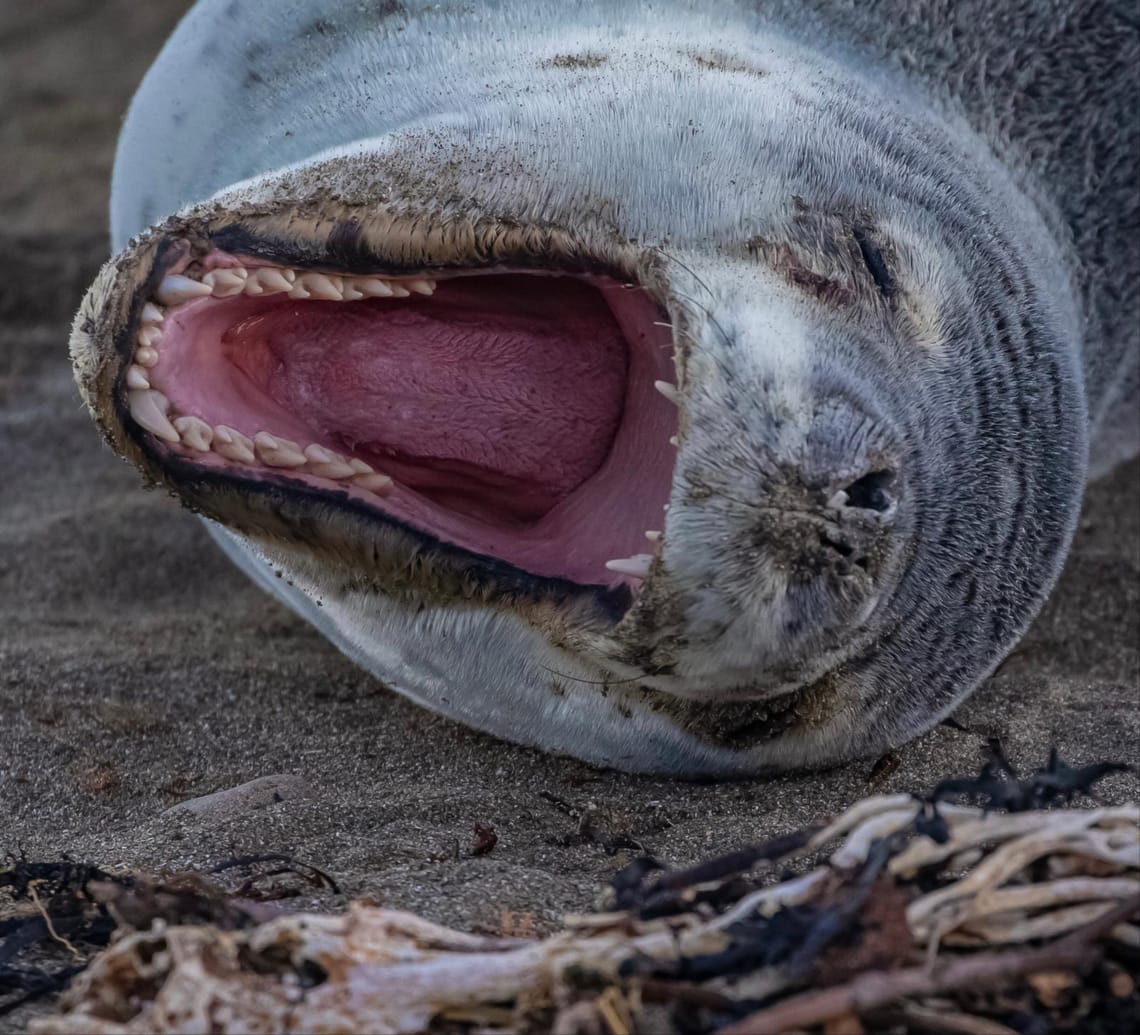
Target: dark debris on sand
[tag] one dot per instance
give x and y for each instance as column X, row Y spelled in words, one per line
column 872, row 939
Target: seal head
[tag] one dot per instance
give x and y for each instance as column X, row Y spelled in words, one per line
column 667, row 393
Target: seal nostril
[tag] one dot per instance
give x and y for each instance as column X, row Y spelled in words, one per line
column 870, row 491
column 837, row 545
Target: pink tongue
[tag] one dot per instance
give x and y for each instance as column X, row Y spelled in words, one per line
column 506, row 383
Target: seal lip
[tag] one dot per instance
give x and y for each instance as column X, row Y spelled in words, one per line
column 278, row 501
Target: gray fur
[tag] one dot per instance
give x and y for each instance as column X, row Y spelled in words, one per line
column 891, row 235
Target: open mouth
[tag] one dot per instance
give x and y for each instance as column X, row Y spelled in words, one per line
column 525, row 416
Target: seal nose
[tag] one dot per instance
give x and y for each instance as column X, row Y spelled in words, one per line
column 838, row 526
column 855, row 519
column 871, row 491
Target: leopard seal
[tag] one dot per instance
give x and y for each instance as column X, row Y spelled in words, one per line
column 695, row 388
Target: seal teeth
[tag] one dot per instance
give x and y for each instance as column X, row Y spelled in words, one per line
column 267, row 281
column 233, row 445
column 318, row 285
column 195, row 433
column 653, row 536
column 636, row 566
column 224, row 283
column 149, row 409
column 378, row 484
column 373, row 287
column 669, row 391
column 176, row 289
column 277, row 452
column 152, row 314
column 136, row 377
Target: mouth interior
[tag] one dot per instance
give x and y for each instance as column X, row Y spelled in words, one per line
column 515, row 413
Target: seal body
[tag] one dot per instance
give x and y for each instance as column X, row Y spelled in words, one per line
column 892, row 252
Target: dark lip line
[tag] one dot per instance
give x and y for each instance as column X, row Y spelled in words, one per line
column 238, row 241
column 612, row 602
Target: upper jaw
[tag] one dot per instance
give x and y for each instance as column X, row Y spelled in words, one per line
column 119, row 310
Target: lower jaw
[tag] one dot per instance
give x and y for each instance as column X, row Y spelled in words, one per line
column 594, row 536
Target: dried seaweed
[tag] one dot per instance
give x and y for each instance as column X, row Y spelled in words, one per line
column 1015, row 912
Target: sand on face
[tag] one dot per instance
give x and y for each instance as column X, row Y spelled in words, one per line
column 139, row 670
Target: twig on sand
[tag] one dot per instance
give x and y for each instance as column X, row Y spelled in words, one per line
column 984, row 970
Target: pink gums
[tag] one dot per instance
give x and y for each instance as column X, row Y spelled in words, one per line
column 516, row 412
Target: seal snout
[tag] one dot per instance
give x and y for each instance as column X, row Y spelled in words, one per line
column 811, row 531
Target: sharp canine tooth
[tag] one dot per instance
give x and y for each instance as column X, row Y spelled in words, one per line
column 146, row 356
column 277, row 452
column 149, row 336
column 176, row 289
column 637, row 565
column 380, row 484
column 152, row 314
column 149, row 409
column 226, row 282
column 195, row 432
column 652, row 536
column 399, row 291
column 319, row 285
column 421, row 285
column 674, row 441
column 374, row 287
column 351, row 292
column 233, row 445
column 360, row 467
column 669, row 391
column 136, row 377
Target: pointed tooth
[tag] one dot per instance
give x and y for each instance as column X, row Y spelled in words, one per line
column 299, row 290
column 233, row 445
column 195, row 433
column 334, row 470
column 373, row 287
column 149, row 336
column 837, row 501
column 669, row 391
column 325, row 463
column 360, row 467
column 380, row 484
column 277, row 452
column 421, row 285
column 146, row 356
column 320, row 285
column 268, row 280
column 399, row 291
column 176, row 289
column 152, row 314
column 226, row 282
column 636, row 566
column 653, row 536
column 320, row 455
column 136, row 377
column 351, row 292
column 149, row 409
